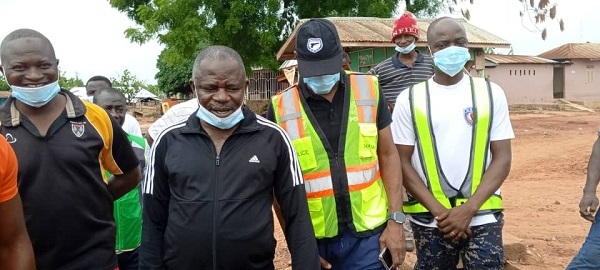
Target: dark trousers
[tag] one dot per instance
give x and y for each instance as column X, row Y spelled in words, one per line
column 129, row 260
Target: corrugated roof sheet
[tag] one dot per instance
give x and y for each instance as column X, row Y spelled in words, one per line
column 376, row 32
column 574, row 51
column 517, row 59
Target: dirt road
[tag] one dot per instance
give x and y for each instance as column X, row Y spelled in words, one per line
column 542, row 193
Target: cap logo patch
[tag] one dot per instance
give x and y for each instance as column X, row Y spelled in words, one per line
column 314, row 45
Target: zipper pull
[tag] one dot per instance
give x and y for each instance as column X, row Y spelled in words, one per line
column 217, row 161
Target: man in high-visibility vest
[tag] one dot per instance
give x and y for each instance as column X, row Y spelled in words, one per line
column 338, row 122
column 453, row 134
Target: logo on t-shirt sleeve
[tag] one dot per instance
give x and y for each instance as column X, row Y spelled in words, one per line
column 468, row 114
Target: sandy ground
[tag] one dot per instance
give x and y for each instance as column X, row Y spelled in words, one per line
column 542, row 193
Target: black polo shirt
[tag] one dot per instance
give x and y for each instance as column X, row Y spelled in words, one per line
column 68, row 208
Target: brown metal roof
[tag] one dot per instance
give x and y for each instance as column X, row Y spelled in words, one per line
column 517, row 59
column 574, row 51
column 376, row 32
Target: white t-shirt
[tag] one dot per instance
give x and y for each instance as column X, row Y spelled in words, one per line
column 176, row 114
column 132, row 126
column 451, row 108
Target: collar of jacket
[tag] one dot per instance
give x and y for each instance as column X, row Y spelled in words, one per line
column 247, row 125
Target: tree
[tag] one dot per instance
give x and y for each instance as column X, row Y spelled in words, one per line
column 66, row 82
column 254, row 28
column 3, row 84
column 128, row 83
column 536, row 13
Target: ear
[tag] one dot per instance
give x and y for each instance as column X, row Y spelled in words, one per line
column 192, row 86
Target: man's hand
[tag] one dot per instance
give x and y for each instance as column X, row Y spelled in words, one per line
column 393, row 238
column 325, row 264
column 588, row 206
column 454, row 224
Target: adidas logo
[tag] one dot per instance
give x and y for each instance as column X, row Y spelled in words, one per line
column 254, row 159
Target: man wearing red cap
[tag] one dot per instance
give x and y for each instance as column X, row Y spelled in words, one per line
column 408, row 66
column 397, row 73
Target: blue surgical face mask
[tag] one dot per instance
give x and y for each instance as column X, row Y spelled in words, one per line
column 218, row 122
column 407, row 49
column 323, row 84
column 451, row 60
column 36, row 96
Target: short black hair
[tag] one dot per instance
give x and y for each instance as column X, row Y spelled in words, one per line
column 110, row 91
column 433, row 25
column 217, row 52
column 23, row 33
column 99, row 78
column 346, row 56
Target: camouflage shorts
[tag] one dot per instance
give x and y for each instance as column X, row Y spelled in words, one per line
column 482, row 251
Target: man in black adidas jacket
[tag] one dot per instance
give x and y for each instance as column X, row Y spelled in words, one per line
column 209, row 188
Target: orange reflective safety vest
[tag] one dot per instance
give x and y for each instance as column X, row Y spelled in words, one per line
column 360, row 167
column 425, row 140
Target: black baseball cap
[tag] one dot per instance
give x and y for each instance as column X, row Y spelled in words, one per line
column 318, row 48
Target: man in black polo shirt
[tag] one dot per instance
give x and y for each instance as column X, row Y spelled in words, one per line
column 62, row 146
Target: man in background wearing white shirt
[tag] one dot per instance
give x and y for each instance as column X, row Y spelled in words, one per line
column 453, row 134
column 131, row 125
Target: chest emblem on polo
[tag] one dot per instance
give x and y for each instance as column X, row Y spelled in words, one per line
column 78, row 128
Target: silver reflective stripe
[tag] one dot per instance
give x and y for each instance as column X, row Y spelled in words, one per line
column 354, row 178
column 364, row 100
column 290, row 115
column 318, row 184
column 361, row 177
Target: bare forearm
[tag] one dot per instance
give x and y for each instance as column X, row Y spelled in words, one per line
column 119, row 185
column 391, row 175
column 18, row 255
column 593, row 174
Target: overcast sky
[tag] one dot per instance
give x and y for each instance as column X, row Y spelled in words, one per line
column 88, row 34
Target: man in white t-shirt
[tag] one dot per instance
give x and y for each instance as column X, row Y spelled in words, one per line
column 131, row 125
column 176, row 114
column 453, row 169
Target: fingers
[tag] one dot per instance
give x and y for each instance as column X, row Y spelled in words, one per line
column 589, row 217
column 325, row 264
column 398, row 255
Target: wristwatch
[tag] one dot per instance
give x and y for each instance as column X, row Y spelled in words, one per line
column 399, row 217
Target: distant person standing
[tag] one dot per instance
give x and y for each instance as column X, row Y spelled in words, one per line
column 131, row 125
column 127, row 209
column 346, row 61
column 408, row 66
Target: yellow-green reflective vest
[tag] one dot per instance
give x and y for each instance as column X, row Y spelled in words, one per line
column 368, row 201
column 425, row 139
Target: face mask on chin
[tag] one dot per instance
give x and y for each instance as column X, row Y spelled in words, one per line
column 406, row 50
column 218, row 122
column 35, row 96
